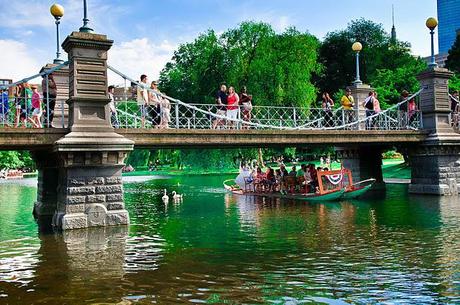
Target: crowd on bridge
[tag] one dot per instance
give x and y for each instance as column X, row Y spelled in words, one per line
column 30, row 108
column 231, row 107
column 152, row 104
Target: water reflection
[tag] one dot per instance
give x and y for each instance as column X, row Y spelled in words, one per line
column 220, row 248
column 73, row 266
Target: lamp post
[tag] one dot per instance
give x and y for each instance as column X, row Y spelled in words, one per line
column 357, row 47
column 57, row 11
column 432, row 23
column 85, row 28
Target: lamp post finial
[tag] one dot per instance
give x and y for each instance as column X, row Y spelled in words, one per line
column 85, row 28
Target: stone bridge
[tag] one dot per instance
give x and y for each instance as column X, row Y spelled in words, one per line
column 43, row 139
column 79, row 182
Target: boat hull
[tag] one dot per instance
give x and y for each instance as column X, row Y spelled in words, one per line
column 332, row 196
column 357, row 192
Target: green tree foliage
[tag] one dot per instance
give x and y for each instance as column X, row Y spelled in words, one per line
column 276, row 68
column 138, row 157
column 390, row 83
column 386, row 65
column 453, row 64
column 453, row 59
column 454, row 83
column 16, row 160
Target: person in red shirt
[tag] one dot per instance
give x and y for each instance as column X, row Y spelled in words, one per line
column 411, row 112
column 232, row 107
column 36, row 108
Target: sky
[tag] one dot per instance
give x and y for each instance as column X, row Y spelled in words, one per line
column 146, row 32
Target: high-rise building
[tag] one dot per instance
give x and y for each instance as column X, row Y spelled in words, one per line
column 393, row 28
column 449, row 23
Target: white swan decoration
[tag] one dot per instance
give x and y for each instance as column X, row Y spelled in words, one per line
column 177, row 197
column 165, row 197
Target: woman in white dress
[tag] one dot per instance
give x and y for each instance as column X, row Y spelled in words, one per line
column 243, row 180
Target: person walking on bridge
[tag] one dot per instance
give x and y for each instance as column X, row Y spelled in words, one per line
column 49, row 90
column 36, row 108
column 221, row 101
column 233, row 102
column 154, row 107
column 4, row 107
column 327, row 106
column 24, row 105
column 143, row 98
column 246, row 103
column 402, row 109
column 348, row 103
column 368, row 104
column 113, row 108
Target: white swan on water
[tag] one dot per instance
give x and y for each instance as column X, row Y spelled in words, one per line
column 165, row 197
column 177, row 197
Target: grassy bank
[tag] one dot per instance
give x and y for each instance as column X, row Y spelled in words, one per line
column 391, row 169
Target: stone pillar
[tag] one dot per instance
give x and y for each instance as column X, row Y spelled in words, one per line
column 91, row 156
column 360, row 92
column 364, row 163
column 435, row 104
column 436, row 162
column 61, row 110
column 46, row 204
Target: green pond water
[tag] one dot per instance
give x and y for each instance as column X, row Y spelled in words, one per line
column 218, row 248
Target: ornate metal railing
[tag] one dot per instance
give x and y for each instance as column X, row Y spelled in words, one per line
column 173, row 113
column 207, row 116
column 454, row 117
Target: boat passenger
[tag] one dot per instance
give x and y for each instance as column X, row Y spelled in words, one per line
column 269, row 180
column 293, row 172
column 278, row 180
column 284, row 174
column 314, row 177
column 258, row 180
column 307, row 179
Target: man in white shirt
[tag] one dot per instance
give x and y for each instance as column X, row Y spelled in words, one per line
column 143, row 98
column 113, row 109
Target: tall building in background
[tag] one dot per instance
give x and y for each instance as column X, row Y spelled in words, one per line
column 449, row 23
column 393, row 28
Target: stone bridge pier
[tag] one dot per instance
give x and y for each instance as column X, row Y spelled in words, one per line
column 79, row 182
column 365, row 162
column 435, row 163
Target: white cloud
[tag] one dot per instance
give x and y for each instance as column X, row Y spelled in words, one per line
column 20, row 15
column 139, row 56
column 17, row 60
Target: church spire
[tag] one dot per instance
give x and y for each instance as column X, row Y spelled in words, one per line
column 393, row 29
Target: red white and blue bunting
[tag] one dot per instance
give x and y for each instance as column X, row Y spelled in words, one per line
column 335, row 179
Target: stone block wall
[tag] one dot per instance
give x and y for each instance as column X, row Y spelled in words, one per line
column 435, row 170
column 90, row 190
column 91, row 202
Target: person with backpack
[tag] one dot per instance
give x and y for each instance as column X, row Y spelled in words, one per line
column 368, row 104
